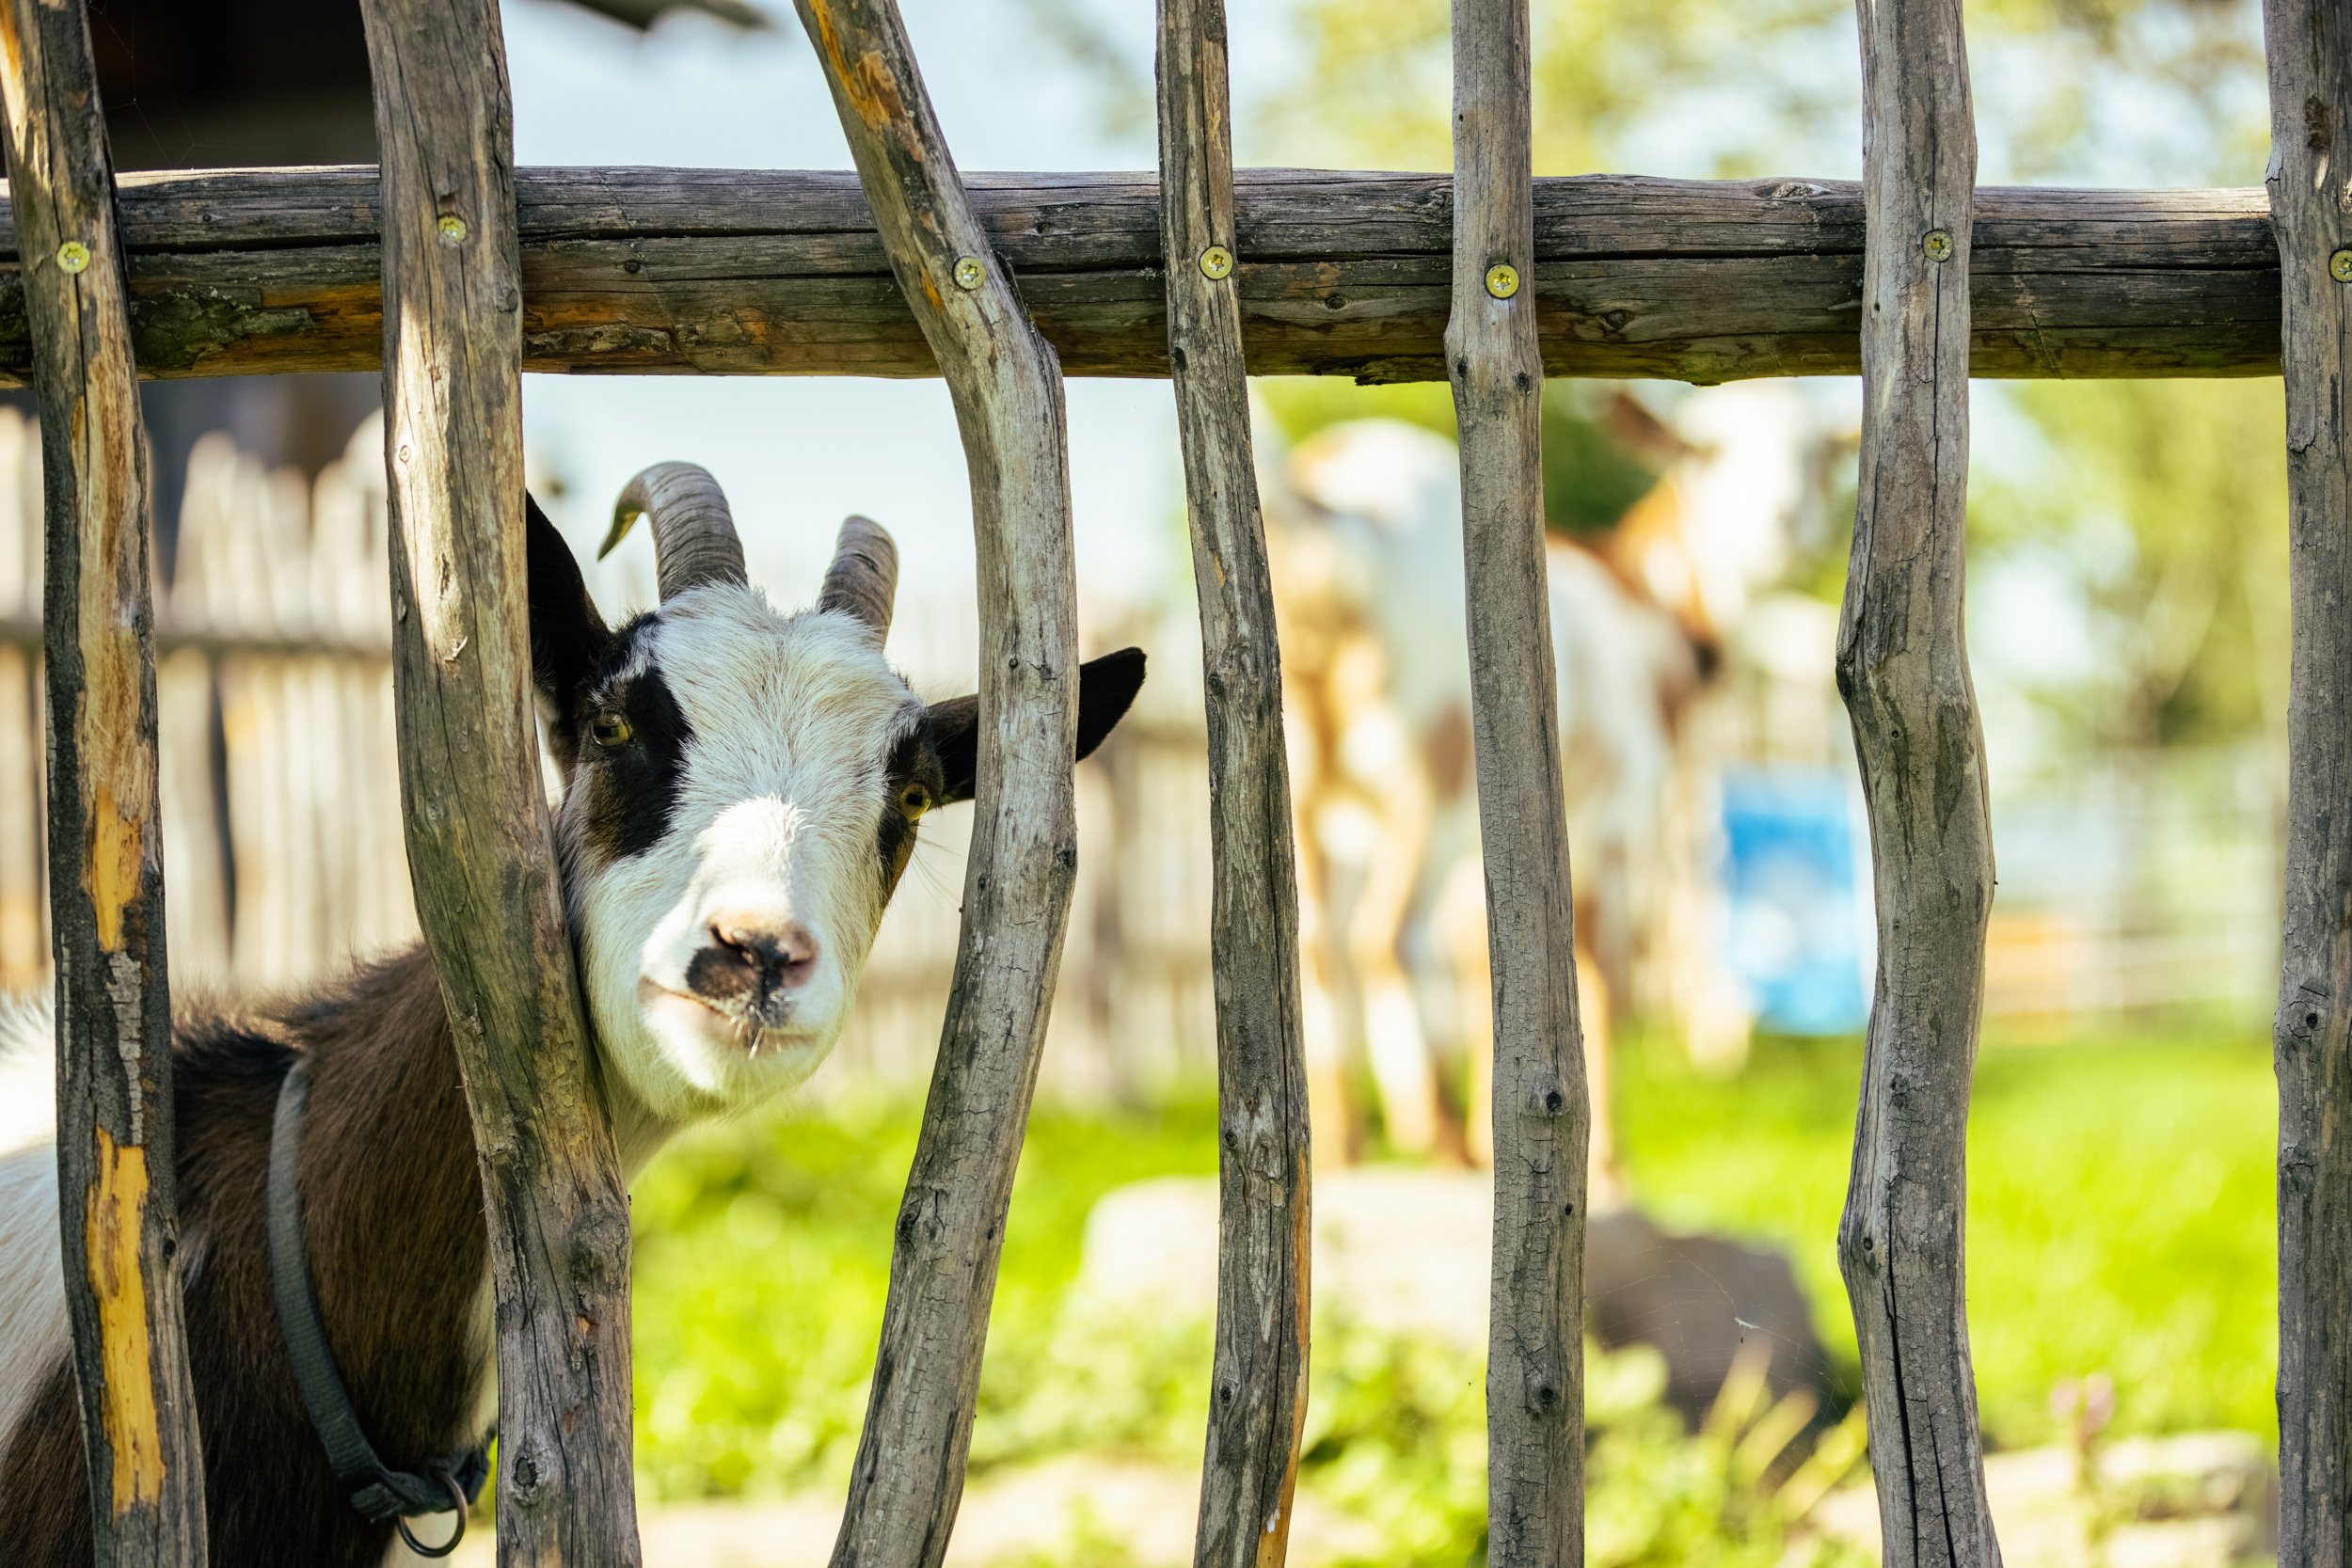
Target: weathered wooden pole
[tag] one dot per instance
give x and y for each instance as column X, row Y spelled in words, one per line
column 117, row 1187
column 1257, row 1401
column 1902, row 666
column 479, row 848
column 1542, row 1114
column 1006, row 387
column 2310, row 43
column 780, row 271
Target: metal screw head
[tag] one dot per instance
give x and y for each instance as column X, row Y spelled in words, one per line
column 2340, row 267
column 969, row 273
column 1503, row 281
column 453, row 229
column 72, row 256
column 1938, row 245
column 1217, row 261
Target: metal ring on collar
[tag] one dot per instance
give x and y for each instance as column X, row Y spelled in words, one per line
column 456, row 1506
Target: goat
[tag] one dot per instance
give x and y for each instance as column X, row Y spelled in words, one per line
column 742, row 794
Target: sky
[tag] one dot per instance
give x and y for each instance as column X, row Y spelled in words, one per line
column 796, row 454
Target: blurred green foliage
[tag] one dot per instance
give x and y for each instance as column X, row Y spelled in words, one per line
column 2121, row 1219
column 2160, row 506
column 2098, row 91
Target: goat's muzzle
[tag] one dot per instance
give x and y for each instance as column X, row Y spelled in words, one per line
column 752, row 970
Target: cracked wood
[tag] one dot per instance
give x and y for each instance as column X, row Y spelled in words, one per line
column 479, row 852
column 1903, row 667
column 117, row 1212
column 1006, row 387
column 780, row 273
column 2310, row 44
column 1258, row 1407
column 1541, row 1104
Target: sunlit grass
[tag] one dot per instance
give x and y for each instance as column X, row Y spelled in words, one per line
column 763, row 1258
column 2121, row 1204
column 2121, row 1219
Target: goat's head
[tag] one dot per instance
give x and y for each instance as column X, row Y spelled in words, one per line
column 742, row 794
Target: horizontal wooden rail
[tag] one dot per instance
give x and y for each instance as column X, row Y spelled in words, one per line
column 19, row 631
column 764, row 273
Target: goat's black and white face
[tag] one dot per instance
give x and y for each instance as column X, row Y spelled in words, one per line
column 742, row 793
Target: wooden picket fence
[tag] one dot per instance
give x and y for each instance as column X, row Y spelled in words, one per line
column 274, row 705
column 457, row 323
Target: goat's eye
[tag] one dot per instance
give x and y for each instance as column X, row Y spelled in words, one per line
column 609, row 729
column 915, row 801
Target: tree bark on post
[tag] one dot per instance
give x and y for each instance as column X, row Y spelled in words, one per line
column 1258, row 1403
column 1903, row 667
column 117, row 1183
column 780, row 271
column 479, row 845
column 1542, row 1114
column 2310, row 44
column 1006, row 387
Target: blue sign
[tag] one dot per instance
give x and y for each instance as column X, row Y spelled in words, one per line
column 1799, row 909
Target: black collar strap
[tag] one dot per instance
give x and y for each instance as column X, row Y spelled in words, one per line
column 377, row 1492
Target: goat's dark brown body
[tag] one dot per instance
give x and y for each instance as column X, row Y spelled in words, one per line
column 392, row 1213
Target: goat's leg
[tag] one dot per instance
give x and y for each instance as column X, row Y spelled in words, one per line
column 1398, row 1045
column 1338, row 1130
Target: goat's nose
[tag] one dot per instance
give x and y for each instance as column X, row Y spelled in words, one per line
column 749, row 960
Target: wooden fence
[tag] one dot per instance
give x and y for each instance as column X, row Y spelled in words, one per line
column 273, row 712
column 426, row 273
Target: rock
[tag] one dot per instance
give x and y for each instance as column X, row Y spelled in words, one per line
column 1407, row 1251
column 1699, row 1299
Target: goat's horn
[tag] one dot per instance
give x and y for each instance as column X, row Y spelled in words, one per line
column 864, row 576
column 694, row 535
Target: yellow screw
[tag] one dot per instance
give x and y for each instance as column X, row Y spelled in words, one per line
column 1938, row 244
column 1503, row 281
column 452, row 230
column 73, row 256
column 2340, row 267
column 968, row 274
column 1217, row 261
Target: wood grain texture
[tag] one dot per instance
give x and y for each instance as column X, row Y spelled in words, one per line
column 767, row 273
column 2310, row 44
column 117, row 1187
column 479, row 852
column 1257, row 1397
column 1006, row 389
column 1542, row 1112
column 1903, row 667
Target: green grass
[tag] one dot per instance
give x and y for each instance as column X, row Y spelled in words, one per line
column 2121, row 1219
column 763, row 1257
column 2120, row 1210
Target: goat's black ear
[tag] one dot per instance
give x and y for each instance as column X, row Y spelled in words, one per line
column 569, row 639
column 1106, row 688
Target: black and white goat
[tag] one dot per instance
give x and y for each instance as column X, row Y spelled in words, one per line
column 742, row 793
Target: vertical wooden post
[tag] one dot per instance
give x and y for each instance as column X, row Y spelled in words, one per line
column 117, row 1186
column 1258, row 1405
column 2310, row 43
column 479, row 847
column 1902, row 666
column 1542, row 1114
column 1006, row 382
